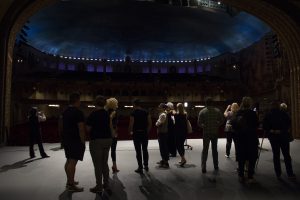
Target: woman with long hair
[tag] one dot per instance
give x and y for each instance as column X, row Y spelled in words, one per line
column 181, row 131
column 245, row 124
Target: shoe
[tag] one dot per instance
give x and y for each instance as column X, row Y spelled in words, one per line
column 217, row 168
column 45, row 156
column 173, row 155
column 251, row 181
column 182, row 163
column 108, row 191
column 203, row 170
column 146, row 168
column 164, row 165
column 96, row 189
column 32, row 156
column 74, row 188
column 160, row 162
column 139, row 170
column 292, row 177
column 75, row 183
column 115, row 170
column 241, row 179
column 226, row 156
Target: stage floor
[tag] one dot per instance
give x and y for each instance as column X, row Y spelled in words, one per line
column 44, row 179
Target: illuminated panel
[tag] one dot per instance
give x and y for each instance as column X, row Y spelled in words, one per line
column 99, row 68
column 90, row 68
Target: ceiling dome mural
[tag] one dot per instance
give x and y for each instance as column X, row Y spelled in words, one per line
column 141, row 29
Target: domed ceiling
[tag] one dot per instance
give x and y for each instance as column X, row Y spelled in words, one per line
column 142, row 29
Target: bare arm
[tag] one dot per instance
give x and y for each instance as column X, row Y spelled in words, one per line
column 149, row 124
column 227, row 110
column 162, row 118
column 81, row 127
column 130, row 127
column 41, row 117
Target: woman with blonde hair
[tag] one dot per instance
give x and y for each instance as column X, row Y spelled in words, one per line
column 181, row 131
column 229, row 114
column 111, row 106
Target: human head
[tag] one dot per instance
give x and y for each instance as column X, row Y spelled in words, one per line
column 180, row 108
column 162, row 107
column 246, row 103
column 208, row 101
column 234, row 107
column 170, row 106
column 100, row 101
column 112, row 103
column 74, row 99
column 283, row 107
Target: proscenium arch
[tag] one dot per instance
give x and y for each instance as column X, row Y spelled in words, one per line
column 19, row 11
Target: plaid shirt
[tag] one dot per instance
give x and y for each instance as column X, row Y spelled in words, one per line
column 210, row 119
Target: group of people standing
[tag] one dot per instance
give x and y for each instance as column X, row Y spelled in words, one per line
column 172, row 129
column 241, row 127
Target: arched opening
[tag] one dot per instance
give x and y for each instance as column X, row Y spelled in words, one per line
column 277, row 18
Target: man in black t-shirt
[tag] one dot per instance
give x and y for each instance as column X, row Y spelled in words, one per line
column 73, row 138
column 139, row 126
column 99, row 125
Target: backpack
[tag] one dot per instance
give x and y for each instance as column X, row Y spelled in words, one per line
column 239, row 123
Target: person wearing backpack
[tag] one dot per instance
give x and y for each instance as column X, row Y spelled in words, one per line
column 245, row 125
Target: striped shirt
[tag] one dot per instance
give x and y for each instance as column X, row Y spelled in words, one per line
column 210, row 118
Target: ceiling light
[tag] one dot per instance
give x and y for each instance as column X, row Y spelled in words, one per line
column 199, row 106
column 128, row 106
column 54, row 105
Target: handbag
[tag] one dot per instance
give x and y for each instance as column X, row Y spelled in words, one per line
column 189, row 126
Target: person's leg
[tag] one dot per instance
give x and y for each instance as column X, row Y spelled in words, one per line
column 276, row 156
column 70, row 168
column 285, row 148
column 145, row 151
column 172, row 143
column 214, row 148
column 166, row 148
column 160, row 143
column 105, row 169
column 113, row 154
column 180, row 147
column 31, row 144
column 137, row 145
column 251, row 167
column 228, row 143
column 97, row 157
column 206, row 141
column 40, row 144
column 241, row 164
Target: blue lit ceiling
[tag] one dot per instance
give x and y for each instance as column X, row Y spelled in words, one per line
column 144, row 30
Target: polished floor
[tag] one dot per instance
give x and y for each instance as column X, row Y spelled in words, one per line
column 44, row 179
